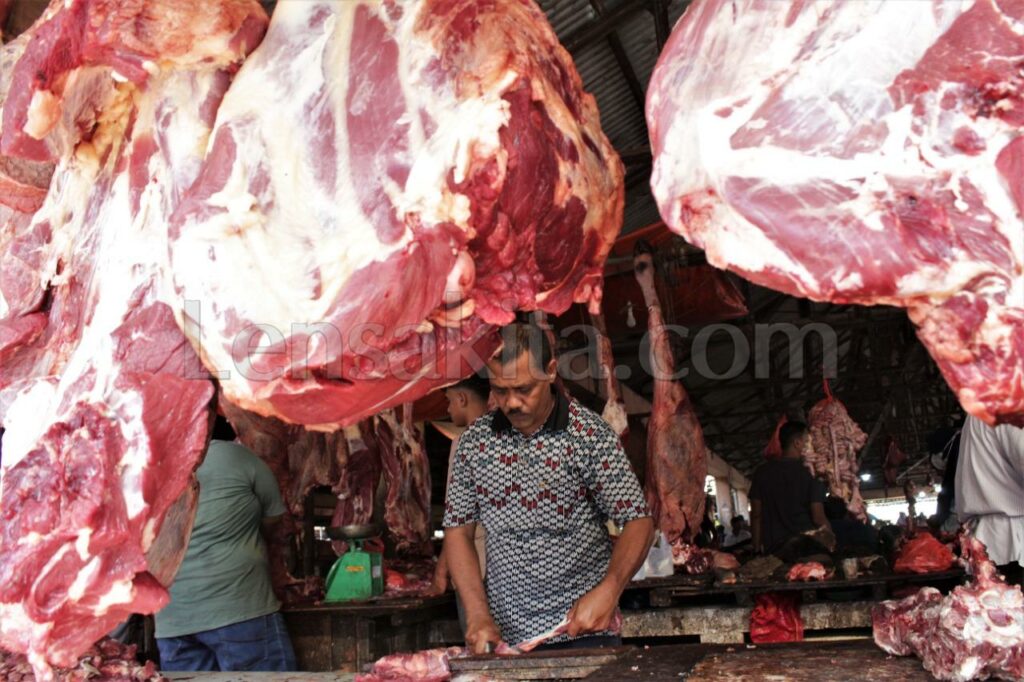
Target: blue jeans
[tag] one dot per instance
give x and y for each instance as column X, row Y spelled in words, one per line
column 259, row 643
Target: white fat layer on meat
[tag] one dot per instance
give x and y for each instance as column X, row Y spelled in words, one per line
column 26, row 421
column 82, row 543
column 120, row 592
column 268, row 249
column 128, row 253
column 84, row 579
column 704, row 135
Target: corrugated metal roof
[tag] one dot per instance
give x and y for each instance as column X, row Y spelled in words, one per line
column 622, row 117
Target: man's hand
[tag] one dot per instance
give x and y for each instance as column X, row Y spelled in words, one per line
column 594, row 610
column 440, row 584
column 480, row 631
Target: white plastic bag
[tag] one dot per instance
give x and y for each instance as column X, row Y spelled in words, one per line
column 659, row 560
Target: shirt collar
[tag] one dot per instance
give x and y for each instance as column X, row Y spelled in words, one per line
column 558, row 420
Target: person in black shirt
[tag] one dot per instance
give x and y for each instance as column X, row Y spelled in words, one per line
column 785, row 499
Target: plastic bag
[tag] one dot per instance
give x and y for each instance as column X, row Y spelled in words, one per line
column 923, row 554
column 776, row 618
column 659, row 560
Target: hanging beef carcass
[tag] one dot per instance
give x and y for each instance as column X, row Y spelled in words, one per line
column 104, row 406
column 973, row 633
column 386, row 181
column 894, row 459
column 614, row 411
column 676, row 457
column 831, row 454
column 357, row 487
column 859, row 152
column 407, row 475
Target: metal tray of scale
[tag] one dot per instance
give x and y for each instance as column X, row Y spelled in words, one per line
column 357, row 531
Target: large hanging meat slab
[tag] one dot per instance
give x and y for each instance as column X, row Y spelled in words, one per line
column 385, row 182
column 859, row 152
column 676, row 455
column 103, row 402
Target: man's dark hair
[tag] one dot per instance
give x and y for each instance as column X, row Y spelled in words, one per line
column 835, row 508
column 521, row 337
column 789, row 432
column 476, row 384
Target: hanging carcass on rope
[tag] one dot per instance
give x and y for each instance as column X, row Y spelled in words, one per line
column 831, row 452
column 385, row 182
column 859, row 152
column 676, row 456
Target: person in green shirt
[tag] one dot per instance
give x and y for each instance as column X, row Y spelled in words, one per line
column 223, row 614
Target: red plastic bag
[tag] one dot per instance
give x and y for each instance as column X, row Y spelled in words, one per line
column 923, row 554
column 776, row 618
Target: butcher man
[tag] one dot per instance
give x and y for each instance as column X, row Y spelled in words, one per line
column 542, row 474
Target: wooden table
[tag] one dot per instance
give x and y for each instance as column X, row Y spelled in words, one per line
column 346, row 636
column 672, row 590
column 260, row 677
column 855, row 661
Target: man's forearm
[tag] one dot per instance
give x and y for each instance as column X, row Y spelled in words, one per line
column 464, row 569
column 755, row 530
column 630, row 551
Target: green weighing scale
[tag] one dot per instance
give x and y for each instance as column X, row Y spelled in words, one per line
column 357, row 574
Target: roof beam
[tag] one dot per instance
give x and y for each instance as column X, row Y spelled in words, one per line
column 662, row 27
column 602, row 26
column 622, row 58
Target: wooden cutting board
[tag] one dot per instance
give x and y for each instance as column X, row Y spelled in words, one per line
column 570, row 664
column 807, row 663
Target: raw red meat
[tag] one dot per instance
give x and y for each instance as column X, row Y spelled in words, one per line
column 614, row 411
column 811, row 570
column 975, row 632
column 894, row 459
column 676, row 456
column 407, row 475
column 923, row 554
column 357, row 487
column 452, row 171
column 776, row 618
column 432, row 665
column 424, row 666
column 691, row 558
column 832, row 454
column 299, row 459
column 403, row 577
column 104, row 404
column 796, row 157
column 106, row 661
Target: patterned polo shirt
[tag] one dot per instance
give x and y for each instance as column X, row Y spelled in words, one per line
column 543, row 500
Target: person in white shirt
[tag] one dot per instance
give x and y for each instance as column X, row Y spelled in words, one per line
column 738, row 534
column 990, row 491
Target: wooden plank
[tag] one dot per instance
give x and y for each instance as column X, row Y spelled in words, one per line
column 807, row 662
column 375, row 607
column 859, row 660
column 539, row 665
column 729, row 623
